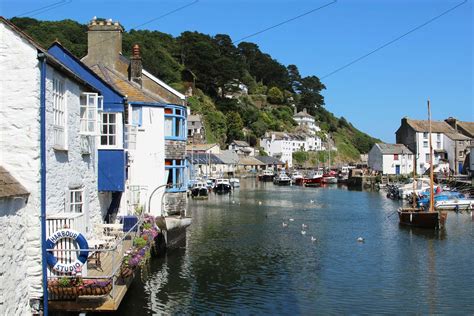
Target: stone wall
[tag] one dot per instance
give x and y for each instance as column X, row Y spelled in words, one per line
column 175, row 149
column 175, row 203
column 20, row 247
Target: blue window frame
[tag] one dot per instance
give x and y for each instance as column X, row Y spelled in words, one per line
column 175, row 122
column 175, row 169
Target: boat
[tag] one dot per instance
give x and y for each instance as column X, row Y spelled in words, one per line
column 234, row 182
column 282, row 179
column 222, row 186
column 416, row 186
column 266, row 176
column 424, row 200
column 313, row 179
column 295, row 176
column 461, row 204
column 329, row 178
column 417, row 216
column 199, row 190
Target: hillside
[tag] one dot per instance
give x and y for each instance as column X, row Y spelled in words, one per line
column 215, row 68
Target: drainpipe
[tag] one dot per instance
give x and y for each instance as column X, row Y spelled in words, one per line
column 42, row 58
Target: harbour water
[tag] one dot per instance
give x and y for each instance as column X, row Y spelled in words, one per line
column 238, row 258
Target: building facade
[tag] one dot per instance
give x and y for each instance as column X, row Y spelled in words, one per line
column 391, row 159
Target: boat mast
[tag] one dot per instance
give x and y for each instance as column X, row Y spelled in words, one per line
column 414, row 181
column 431, row 161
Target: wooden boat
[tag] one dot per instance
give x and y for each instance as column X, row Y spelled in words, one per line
column 417, row 216
column 266, row 176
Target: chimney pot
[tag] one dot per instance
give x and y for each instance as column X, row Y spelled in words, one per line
column 136, row 51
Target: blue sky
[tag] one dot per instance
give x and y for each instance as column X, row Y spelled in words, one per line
column 434, row 62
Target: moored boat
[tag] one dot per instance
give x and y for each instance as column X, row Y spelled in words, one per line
column 454, row 204
column 329, row 178
column 295, row 176
column 313, row 179
column 282, row 179
column 199, row 191
column 266, row 176
column 222, row 186
column 234, row 182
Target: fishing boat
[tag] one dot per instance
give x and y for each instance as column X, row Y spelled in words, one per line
column 329, row 178
column 295, row 176
column 199, row 190
column 222, row 186
column 418, row 216
column 461, row 204
column 266, row 176
column 313, row 179
column 282, row 179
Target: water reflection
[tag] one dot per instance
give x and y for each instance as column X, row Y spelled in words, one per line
column 239, row 259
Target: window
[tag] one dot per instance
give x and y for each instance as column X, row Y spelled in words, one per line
column 410, row 157
column 90, row 103
column 438, row 137
column 175, row 175
column 175, row 123
column 111, row 133
column 137, row 113
column 427, row 158
column 438, row 145
column 425, row 144
column 425, row 135
column 59, row 114
column 395, row 156
column 75, row 201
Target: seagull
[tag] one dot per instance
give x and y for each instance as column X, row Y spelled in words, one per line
column 311, row 201
column 233, row 202
column 360, row 239
column 304, row 226
column 303, row 232
column 284, row 224
column 313, row 239
column 291, row 219
column 259, row 202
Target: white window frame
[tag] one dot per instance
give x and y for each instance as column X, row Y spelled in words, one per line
column 59, row 96
column 118, row 131
column 90, row 104
column 131, row 133
column 75, row 201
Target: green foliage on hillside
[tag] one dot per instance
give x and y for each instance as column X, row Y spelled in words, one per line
column 217, row 67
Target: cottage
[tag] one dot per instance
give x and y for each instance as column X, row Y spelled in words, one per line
column 49, row 146
column 391, row 159
column 242, row 148
column 203, row 148
column 445, row 140
column 157, row 117
column 304, row 119
column 196, row 133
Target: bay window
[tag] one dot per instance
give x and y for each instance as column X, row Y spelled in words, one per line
column 175, row 175
column 59, row 114
column 175, row 122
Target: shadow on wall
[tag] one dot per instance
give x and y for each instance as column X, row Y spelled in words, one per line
column 10, row 206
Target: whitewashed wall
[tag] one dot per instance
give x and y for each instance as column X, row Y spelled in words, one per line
column 20, row 259
column 147, row 161
column 405, row 163
column 70, row 169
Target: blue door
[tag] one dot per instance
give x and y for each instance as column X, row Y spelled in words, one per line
column 397, row 169
column 460, row 167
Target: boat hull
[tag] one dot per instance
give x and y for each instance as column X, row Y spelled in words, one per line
column 421, row 219
column 282, row 182
column 265, row 178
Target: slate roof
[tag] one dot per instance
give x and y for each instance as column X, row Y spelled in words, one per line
column 9, row 186
column 456, row 136
column 241, row 143
column 199, row 147
column 303, row 114
column 250, row 161
column 131, row 90
column 203, row 159
column 228, row 157
column 436, row 126
column 468, row 127
column 269, row 160
column 390, row 149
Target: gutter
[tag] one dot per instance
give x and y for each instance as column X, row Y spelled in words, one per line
column 42, row 59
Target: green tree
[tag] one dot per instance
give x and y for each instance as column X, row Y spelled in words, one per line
column 310, row 97
column 275, row 96
column 234, row 127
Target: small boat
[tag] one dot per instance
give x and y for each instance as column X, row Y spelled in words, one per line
column 199, row 190
column 442, row 196
column 418, row 216
column 295, row 176
column 266, row 176
column 282, row 179
column 222, row 186
column 329, row 178
column 456, row 204
column 313, row 179
column 234, row 182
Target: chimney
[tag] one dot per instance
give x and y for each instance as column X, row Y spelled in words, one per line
column 453, row 122
column 104, row 42
column 136, row 65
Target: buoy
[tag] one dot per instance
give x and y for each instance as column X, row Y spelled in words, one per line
column 360, row 239
column 303, row 232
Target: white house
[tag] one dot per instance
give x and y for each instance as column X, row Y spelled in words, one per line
column 391, row 159
column 415, row 135
column 242, row 148
column 304, row 119
column 38, row 94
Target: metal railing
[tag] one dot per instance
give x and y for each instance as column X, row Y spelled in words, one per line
column 116, row 251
